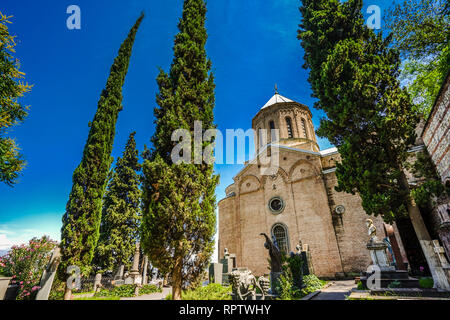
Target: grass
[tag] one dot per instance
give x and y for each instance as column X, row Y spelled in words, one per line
column 213, row 291
column 97, row 298
column 426, row 283
column 82, row 293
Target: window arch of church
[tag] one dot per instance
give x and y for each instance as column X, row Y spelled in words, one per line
column 280, row 233
column 305, row 132
column 273, row 134
column 289, row 127
column 260, row 137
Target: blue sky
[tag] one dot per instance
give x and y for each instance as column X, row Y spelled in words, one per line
column 252, row 45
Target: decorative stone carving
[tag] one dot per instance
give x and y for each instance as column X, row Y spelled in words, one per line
column 372, row 231
column 264, row 283
column 244, row 285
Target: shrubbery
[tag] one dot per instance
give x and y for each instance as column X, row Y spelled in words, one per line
column 149, row 289
column 212, row 291
column 312, row 283
column 127, row 291
column 426, row 283
column 26, row 263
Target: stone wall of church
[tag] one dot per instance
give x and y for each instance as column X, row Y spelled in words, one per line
column 436, row 134
column 337, row 244
column 350, row 228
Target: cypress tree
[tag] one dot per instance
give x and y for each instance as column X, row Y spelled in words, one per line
column 11, row 111
column 81, row 222
column 370, row 119
column 119, row 228
column 178, row 223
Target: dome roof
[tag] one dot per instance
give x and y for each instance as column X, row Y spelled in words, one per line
column 277, row 98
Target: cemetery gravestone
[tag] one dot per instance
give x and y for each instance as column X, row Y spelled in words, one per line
column 48, row 276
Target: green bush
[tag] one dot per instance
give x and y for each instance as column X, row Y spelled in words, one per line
column 149, row 289
column 124, row 291
column 287, row 289
column 212, row 291
column 312, row 284
column 26, row 263
column 426, row 283
column 127, row 291
column 360, row 286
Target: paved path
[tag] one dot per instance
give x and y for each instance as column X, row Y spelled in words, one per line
column 154, row 296
column 339, row 290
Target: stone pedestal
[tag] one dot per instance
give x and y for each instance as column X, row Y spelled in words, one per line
column 379, row 257
column 387, row 274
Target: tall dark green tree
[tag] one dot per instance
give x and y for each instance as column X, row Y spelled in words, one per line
column 119, row 228
column 12, row 112
column 81, row 222
column 353, row 74
column 179, row 220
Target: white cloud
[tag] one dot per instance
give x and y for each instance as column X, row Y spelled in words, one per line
column 5, row 243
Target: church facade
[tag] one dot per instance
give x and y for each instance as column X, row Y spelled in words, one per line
column 297, row 202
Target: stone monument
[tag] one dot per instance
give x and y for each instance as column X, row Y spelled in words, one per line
column 134, row 276
column 275, row 263
column 303, row 250
column 244, row 285
column 48, row 276
column 215, row 273
column 229, row 264
column 387, row 273
column 377, row 248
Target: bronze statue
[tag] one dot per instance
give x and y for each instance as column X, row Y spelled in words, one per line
column 275, row 254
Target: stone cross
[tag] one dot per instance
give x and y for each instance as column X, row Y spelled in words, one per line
column 441, row 254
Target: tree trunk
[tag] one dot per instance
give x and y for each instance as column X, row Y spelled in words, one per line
column 177, row 280
column 68, row 294
column 438, row 274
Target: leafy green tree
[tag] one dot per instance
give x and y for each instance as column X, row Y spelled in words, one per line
column 428, row 185
column 11, row 111
column 421, row 32
column 119, row 228
column 370, row 119
column 81, row 222
column 178, row 223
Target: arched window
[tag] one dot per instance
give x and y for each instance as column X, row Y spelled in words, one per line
column 289, row 127
column 305, row 133
column 260, row 137
column 279, row 231
column 273, row 134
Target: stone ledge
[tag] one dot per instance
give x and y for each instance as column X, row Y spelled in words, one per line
column 311, row 295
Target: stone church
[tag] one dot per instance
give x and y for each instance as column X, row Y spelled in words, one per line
column 296, row 203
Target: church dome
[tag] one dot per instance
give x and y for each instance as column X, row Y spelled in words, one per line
column 285, row 121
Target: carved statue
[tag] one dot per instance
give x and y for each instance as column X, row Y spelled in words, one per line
column 299, row 247
column 264, row 284
column 275, row 254
column 225, row 252
column 372, row 231
column 242, row 282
